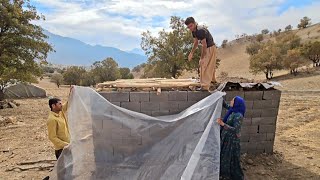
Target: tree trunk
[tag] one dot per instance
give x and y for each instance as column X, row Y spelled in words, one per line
column 1, row 95
column 267, row 75
column 174, row 71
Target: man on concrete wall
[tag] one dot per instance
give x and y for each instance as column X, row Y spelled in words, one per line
column 207, row 61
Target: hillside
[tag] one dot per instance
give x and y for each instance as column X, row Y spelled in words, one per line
column 69, row 51
column 235, row 61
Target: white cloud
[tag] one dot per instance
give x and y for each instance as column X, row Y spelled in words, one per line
column 119, row 23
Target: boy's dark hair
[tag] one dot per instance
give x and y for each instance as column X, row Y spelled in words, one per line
column 189, row 20
column 53, row 101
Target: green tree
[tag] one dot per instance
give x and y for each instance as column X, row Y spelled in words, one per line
column 88, row 79
column 139, row 67
column 73, row 75
column 266, row 60
column 288, row 28
column 47, row 69
column 57, row 78
column 167, row 53
column 106, row 70
column 288, row 41
column 253, row 48
column 259, row 37
column 224, row 43
column 265, row 31
column 125, row 73
column 22, row 43
column 304, row 22
column 293, row 60
column 311, row 51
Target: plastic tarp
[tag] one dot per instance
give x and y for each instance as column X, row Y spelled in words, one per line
column 110, row 142
column 23, row 90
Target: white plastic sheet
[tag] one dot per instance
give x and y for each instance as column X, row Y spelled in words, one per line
column 109, row 142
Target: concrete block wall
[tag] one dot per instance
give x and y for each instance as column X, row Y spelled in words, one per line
column 258, row 127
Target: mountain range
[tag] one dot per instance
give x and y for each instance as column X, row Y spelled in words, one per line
column 69, row 51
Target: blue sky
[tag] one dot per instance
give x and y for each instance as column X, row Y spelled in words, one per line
column 119, row 23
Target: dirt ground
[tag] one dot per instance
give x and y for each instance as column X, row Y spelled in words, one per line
column 26, row 153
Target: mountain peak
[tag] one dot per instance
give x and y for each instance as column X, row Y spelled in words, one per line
column 69, row 51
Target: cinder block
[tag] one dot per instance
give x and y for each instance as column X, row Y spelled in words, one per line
column 243, row 150
column 245, row 137
column 256, row 121
column 106, row 95
column 246, row 122
column 272, row 95
column 123, row 151
column 253, row 113
column 120, row 133
column 149, row 113
column 249, row 104
column 139, row 96
column 249, row 129
column 172, row 112
column 231, row 94
column 269, row 112
column 132, row 140
column 160, row 113
column 116, row 103
column 133, row 106
column 156, row 131
column 264, row 121
column 162, row 97
column 265, row 104
column 111, row 124
column 251, row 147
column 270, row 136
column 150, row 106
column 258, row 137
column 119, row 96
column 178, row 96
column 167, row 106
column 197, row 95
column 269, row 147
column 268, row 120
column 267, row 129
column 253, row 95
column 261, row 145
column 244, row 147
column 185, row 104
column 258, row 151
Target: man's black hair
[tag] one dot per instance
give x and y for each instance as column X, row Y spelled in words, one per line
column 189, row 20
column 53, row 101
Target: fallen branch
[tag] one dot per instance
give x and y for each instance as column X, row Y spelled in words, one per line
column 50, row 161
column 40, row 168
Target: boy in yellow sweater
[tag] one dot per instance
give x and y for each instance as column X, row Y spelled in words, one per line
column 58, row 130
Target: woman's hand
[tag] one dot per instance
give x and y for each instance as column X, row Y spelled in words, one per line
column 220, row 122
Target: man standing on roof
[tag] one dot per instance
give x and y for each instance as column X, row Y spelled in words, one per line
column 207, row 61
